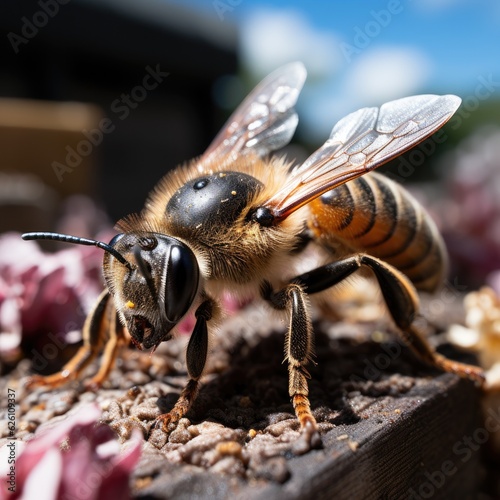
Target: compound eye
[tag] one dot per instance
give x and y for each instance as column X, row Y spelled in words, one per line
column 182, row 282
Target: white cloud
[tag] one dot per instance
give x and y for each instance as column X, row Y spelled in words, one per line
column 271, row 37
column 334, row 88
column 386, row 73
column 376, row 76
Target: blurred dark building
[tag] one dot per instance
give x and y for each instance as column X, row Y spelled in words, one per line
column 146, row 69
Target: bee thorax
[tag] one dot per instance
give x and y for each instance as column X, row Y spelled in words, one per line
column 211, row 200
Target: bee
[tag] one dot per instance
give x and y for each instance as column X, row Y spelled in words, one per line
column 238, row 220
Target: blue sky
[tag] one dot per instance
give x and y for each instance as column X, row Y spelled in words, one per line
column 366, row 52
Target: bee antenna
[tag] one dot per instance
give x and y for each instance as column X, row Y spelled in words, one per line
column 79, row 241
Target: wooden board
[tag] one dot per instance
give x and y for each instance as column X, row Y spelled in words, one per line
column 390, row 427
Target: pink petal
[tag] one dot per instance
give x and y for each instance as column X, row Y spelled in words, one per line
column 44, row 478
column 92, row 467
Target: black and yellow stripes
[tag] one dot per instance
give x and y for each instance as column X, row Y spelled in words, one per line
column 374, row 215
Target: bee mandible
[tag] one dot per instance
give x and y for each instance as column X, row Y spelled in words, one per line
column 237, row 220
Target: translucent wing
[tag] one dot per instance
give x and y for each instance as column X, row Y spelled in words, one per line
column 265, row 120
column 360, row 142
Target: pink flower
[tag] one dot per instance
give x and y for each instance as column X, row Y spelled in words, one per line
column 470, row 216
column 77, row 459
column 43, row 293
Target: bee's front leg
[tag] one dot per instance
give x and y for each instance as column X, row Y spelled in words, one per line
column 298, row 353
column 196, row 356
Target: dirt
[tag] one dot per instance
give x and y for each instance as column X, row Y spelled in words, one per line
column 241, row 438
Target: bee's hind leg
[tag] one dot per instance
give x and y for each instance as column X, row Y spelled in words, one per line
column 402, row 302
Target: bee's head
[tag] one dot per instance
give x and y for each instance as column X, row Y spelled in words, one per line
column 153, row 279
column 157, row 289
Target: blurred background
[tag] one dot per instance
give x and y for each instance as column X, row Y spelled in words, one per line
column 100, row 98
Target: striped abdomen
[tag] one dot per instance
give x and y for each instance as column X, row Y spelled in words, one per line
column 374, row 215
